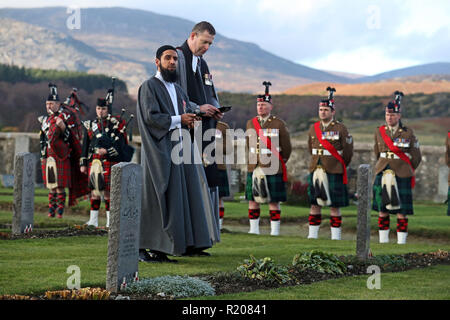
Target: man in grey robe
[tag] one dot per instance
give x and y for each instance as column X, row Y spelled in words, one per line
column 173, row 219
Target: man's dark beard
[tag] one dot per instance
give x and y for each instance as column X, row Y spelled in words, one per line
column 167, row 75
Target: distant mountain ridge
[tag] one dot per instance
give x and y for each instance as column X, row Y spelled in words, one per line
column 437, row 68
column 122, row 42
column 134, row 35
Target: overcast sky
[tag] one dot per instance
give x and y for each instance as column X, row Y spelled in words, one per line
column 364, row 37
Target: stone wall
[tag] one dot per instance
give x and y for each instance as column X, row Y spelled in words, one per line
column 431, row 176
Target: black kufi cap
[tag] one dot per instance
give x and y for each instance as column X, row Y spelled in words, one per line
column 161, row 50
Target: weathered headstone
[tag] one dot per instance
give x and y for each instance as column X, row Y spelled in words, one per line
column 7, row 180
column 235, row 181
column 364, row 196
column 23, row 206
column 123, row 242
column 442, row 193
column 22, row 144
column 230, row 177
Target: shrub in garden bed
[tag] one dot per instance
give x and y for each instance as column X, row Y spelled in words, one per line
column 264, row 270
column 171, row 287
column 318, row 261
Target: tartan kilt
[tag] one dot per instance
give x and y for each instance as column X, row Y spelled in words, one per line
column 63, row 168
column 106, row 170
column 405, row 193
column 277, row 187
column 224, row 188
column 338, row 190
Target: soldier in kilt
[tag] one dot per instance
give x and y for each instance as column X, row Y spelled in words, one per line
column 224, row 143
column 59, row 142
column 331, row 147
column 447, row 159
column 268, row 145
column 398, row 155
column 104, row 145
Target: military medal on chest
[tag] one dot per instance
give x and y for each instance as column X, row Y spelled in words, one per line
column 330, row 135
column 271, row 132
column 208, row 79
column 401, row 143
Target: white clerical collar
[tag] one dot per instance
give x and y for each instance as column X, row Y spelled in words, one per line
column 195, row 60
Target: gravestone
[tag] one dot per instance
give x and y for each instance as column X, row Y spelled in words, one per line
column 38, row 178
column 442, row 193
column 22, row 144
column 23, row 206
column 7, row 180
column 364, row 197
column 125, row 216
column 229, row 176
column 235, row 181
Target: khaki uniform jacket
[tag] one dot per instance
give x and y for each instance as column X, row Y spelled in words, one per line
column 335, row 133
column 405, row 140
column 224, row 142
column 447, row 157
column 273, row 128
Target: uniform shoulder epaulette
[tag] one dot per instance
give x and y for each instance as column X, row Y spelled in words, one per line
column 223, row 124
column 274, row 118
column 339, row 124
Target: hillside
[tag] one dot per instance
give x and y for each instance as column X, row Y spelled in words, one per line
column 437, row 68
column 32, row 46
column 300, row 111
column 124, row 41
column 22, row 103
column 408, row 85
column 76, row 79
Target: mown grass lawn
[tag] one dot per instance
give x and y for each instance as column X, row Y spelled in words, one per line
column 33, row 266
column 431, row 283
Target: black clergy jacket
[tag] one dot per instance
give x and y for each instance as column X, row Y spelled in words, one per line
column 200, row 90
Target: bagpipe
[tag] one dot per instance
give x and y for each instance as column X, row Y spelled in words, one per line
column 111, row 136
column 69, row 112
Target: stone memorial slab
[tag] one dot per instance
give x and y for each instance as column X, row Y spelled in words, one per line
column 7, row 180
column 442, row 184
column 123, row 241
column 235, row 179
column 22, row 144
column 23, row 206
column 363, row 224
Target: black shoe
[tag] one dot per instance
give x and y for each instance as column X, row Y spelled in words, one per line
column 144, row 256
column 202, row 254
column 157, row 256
column 196, row 253
column 154, row 256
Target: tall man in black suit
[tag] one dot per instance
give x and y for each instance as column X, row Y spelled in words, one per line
column 196, row 80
